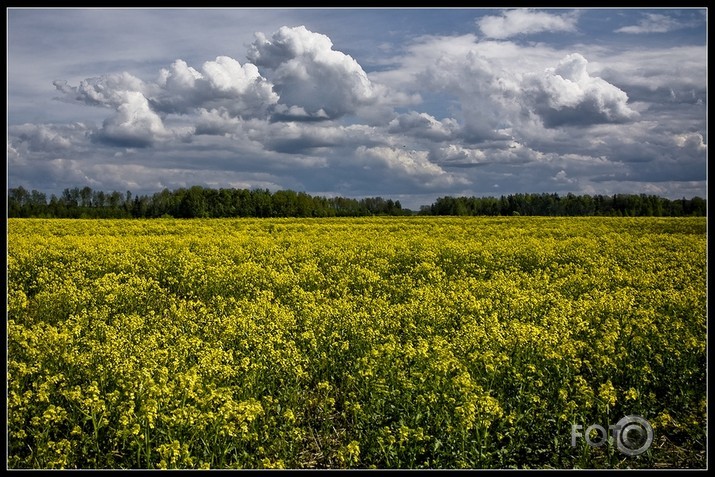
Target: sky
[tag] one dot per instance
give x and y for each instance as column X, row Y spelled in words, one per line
column 410, row 104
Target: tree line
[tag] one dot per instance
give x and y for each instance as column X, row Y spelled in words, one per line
column 193, row 202
column 198, row 201
column 621, row 205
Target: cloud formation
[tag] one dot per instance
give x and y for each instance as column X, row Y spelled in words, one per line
column 134, row 124
column 332, row 108
column 525, row 22
column 314, row 81
column 568, row 95
column 223, row 84
column 423, row 125
column 652, row 23
column 309, row 81
column 108, row 90
column 412, row 166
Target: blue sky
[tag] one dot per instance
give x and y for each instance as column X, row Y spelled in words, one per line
column 409, row 104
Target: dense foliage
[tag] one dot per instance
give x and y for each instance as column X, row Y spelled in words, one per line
column 421, row 342
column 626, row 205
column 194, row 202
column 200, row 202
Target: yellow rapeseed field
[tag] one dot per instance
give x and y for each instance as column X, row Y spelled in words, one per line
column 413, row 342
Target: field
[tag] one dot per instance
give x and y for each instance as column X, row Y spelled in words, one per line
column 415, row 342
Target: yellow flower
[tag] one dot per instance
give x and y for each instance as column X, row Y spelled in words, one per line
column 607, row 393
column 631, row 394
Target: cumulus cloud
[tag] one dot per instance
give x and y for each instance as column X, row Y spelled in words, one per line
column 423, row 125
column 651, row 75
column 71, row 171
column 108, row 90
column 692, row 142
column 652, row 23
column 310, row 81
column 40, row 137
column 569, row 95
column 455, row 155
column 314, row 138
column 297, row 113
column 493, row 88
column 224, row 88
column 563, row 178
column 525, row 22
column 309, row 75
column 296, row 137
column 134, row 124
column 413, row 166
column 39, row 142
column 216, row 122
column 224, row 83
column 486, row 94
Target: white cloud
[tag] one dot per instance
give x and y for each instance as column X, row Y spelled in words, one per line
column 402, row 165
column 216, row 122
column 563, row 178
column 227, row 75
column 654, row 73
column 569, row 95
column 525, row 22
column 690, row 141
column 296, row 136
column 32, row 144
column 309, row 74
column 423, row 125
column 181, row 77
column 134, row 125
column 652, row 23
column 40, row 137
column 485, row 93
column 105, row 90
column 505, row 92
column 224, row 84
column 455, row 155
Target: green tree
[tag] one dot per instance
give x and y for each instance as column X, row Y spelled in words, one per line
column 193, row 203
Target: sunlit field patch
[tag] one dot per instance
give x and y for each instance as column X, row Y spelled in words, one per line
column 420, row 342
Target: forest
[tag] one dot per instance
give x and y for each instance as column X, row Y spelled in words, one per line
column 204, row 202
